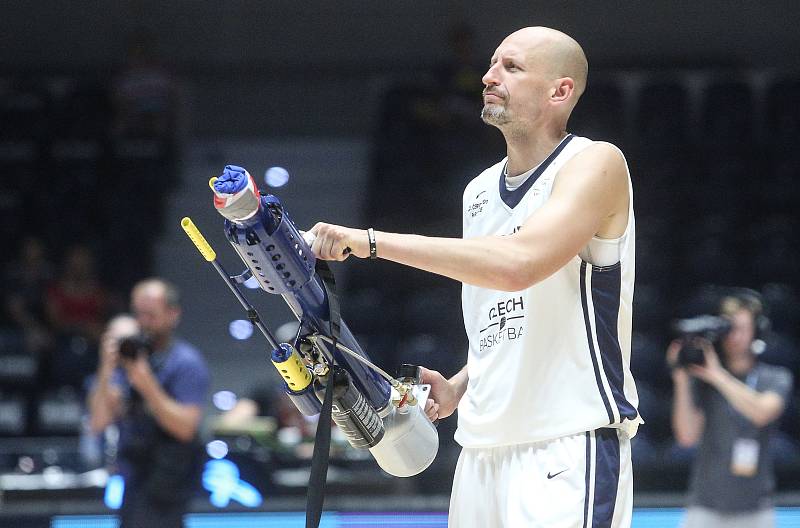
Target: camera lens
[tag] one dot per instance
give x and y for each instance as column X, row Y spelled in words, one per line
column 128, row 348
column 131, row 347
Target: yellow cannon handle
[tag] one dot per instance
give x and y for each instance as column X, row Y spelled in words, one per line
column 294, row 372
column 198, row 239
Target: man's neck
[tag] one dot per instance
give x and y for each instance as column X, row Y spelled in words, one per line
column 741, row 365
column 529, row 150
column 162, row 342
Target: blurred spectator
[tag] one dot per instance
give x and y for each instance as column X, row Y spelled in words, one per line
column 730, row 406
column 77, row 302
column 155, row 388
column 266, row 400
column 144, row 139
column 143, row 93
column 26, row 280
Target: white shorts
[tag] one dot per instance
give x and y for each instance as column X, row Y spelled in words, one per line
column 579, row 481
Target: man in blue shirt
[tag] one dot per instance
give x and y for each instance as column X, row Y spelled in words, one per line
column 156, row 397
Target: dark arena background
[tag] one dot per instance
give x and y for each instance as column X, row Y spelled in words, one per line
column 114, row 115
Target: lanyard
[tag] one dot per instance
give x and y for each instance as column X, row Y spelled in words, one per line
column 745, row 427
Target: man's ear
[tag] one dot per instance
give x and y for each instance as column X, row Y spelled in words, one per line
column 562, row 90
column 176, row 316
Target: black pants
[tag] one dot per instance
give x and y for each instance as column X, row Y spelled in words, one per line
column 140, row 511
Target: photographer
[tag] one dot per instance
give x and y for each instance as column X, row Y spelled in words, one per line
column 154, row 387
column 729, row 404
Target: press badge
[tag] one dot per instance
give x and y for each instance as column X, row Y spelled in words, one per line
column 744, row 460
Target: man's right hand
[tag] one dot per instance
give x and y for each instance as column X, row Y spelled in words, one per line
column 333, row 242
column 109, row 352
column 444, row 396
column 679, row 374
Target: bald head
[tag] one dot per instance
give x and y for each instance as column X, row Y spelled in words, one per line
column 157, row 288
column 535, row 78
column 154, row 302
column 555, row 52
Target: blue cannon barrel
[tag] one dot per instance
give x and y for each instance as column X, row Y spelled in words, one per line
column 272, row 247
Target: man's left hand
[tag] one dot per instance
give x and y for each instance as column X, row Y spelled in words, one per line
column 140, row 375
column 711, row 371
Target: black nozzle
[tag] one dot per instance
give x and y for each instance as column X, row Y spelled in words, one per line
column 410, row 373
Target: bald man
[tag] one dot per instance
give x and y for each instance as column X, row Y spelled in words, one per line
column 546, row 402
column 156, row 399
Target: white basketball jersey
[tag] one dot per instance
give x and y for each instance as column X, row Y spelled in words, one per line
column 554, row 359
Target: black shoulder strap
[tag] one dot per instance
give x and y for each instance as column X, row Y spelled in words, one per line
column 322, row 441
column 319, row 460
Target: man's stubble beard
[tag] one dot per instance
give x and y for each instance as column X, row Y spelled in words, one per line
column 495, row 115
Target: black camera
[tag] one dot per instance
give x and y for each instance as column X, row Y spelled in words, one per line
column 131, row 347
column 710, row 327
